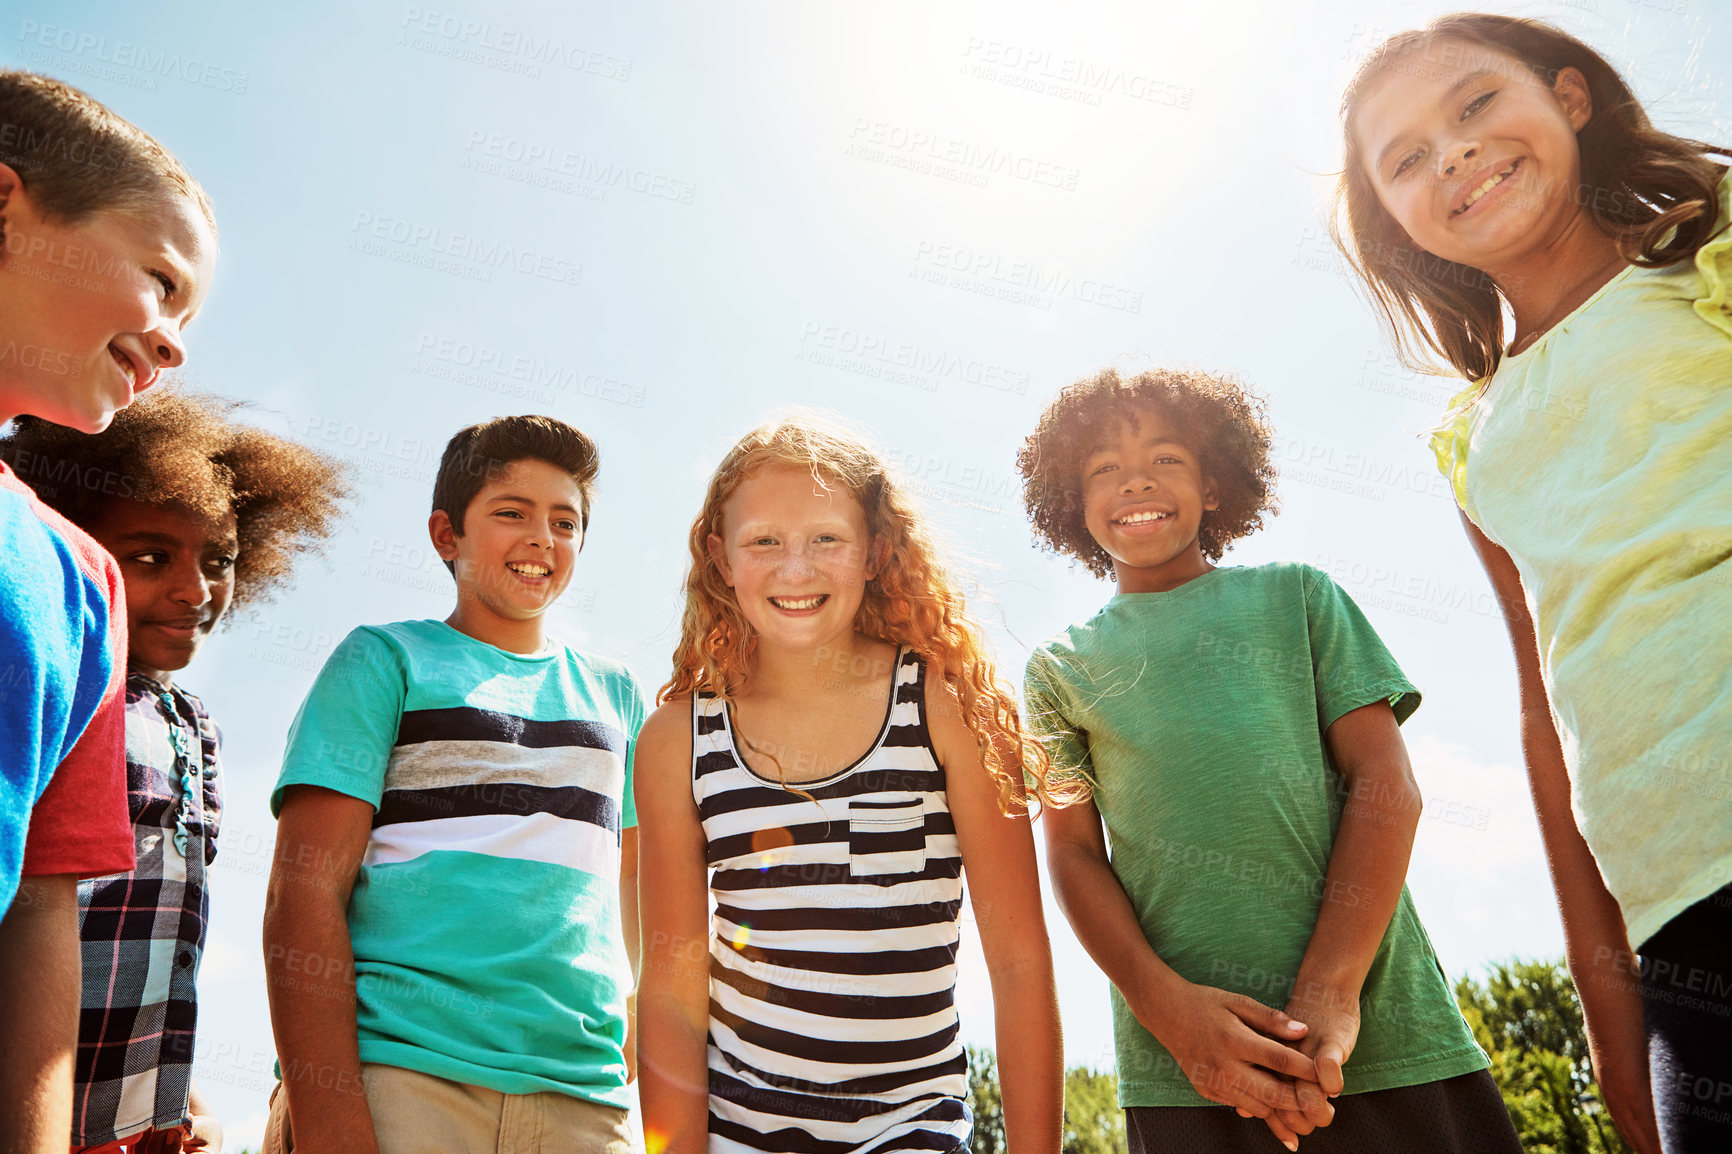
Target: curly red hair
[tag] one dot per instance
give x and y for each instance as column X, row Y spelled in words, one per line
column 912, row 601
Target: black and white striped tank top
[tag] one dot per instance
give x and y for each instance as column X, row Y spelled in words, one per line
column 833, row 1023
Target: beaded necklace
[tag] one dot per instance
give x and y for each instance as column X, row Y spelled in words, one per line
column 191, row 785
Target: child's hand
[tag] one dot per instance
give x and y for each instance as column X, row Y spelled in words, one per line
column 1332, row 1022
column 203, row 1130
column 205, row 1133
column 1232, row 1049
column 1286, row 1125
column 1332, row 1019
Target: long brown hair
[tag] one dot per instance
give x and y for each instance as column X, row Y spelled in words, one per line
column 912, row 601
column 1653, row 193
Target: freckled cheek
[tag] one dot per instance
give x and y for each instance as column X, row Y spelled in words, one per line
column 747, row 566
column 843, row 557
column 851, row 577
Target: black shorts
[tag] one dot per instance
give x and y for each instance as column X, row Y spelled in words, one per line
column 1461, row 1115
column 1687, row 1008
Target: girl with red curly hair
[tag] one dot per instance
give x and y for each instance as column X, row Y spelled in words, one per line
column 833, row 751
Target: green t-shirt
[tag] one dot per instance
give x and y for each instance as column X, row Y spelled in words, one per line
column 1197, row 717
column 485, row 916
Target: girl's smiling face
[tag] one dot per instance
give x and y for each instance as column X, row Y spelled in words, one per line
column 94, row 309
column 1472, row 154
column 796, row 553
column 180, row 577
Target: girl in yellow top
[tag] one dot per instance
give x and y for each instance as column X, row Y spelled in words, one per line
column 1494, row 164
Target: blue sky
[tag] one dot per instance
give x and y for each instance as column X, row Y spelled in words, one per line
column 661, row 222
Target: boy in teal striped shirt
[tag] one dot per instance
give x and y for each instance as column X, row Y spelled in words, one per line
column 450, row 930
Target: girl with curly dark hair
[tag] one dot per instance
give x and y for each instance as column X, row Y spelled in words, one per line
column 202, row 514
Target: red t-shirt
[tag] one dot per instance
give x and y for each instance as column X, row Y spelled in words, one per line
column 81, row 824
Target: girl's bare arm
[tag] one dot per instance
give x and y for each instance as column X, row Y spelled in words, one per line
column 630, row 926
column 998, row 859
column 673, row 1003
column 1595, row 939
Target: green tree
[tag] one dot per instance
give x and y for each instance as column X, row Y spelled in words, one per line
column 986, row 1101
column 1093, row 1123
column 1528, row 1019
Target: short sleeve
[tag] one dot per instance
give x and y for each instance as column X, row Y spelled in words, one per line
column 48, row 618
column 631, row 707
column 343, row 735
column 1449, row 440
column 1714, row 262
column 1351, row 666
column 83, row 824
column 62, row 716
column 1066, row 744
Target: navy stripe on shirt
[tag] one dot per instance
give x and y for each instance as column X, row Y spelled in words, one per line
column 497, row 797
column 466, row 723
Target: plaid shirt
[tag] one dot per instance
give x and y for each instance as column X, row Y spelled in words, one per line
column 143, row 932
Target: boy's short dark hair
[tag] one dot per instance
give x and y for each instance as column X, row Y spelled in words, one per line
column 1217, row 417
column 476, row 455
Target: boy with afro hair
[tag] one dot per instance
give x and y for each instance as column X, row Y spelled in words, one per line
column 1235, row 731
column 203, row 515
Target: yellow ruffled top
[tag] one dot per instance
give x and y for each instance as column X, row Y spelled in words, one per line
column 1600, row 458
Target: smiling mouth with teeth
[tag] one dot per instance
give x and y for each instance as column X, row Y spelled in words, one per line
column 529, row 569
column 1146, row 517
column 125, row 364
column 1491, row 182
column 797, row 603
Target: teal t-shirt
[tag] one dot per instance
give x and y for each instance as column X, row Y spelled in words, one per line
column 485, row 917
column 1197, row 717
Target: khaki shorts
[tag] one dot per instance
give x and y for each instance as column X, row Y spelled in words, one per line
column 416, row 1113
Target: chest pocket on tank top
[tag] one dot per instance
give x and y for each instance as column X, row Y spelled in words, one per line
column 886, row 837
